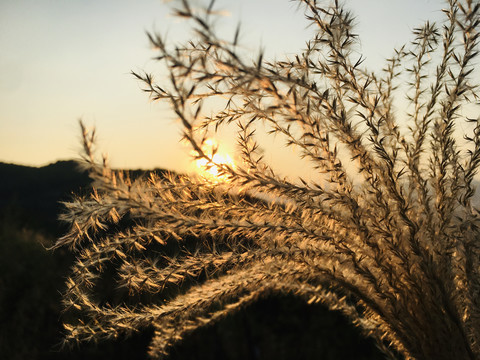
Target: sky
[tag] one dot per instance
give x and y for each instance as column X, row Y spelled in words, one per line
column 65, row 60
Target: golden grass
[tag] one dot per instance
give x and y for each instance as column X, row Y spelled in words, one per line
column 393, row 242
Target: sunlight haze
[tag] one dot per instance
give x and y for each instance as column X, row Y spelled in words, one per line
column 66, row 60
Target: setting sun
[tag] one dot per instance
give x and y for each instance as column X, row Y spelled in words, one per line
column 213, row 171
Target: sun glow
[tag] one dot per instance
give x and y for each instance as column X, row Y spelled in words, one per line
column 212, row 170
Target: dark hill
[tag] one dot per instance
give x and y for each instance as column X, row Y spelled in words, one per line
column 31, row 196
column 32, row 278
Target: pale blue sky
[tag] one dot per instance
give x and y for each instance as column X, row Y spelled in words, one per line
column 65, row 59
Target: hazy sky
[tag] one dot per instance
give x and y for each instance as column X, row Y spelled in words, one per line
column 61, row 60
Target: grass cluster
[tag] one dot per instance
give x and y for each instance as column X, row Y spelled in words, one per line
column 391, row 242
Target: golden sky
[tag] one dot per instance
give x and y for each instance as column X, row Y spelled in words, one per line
column 64, row 60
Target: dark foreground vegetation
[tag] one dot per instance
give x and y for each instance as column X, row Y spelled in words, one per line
column 32, row 279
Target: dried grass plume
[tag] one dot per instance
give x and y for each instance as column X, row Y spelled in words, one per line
column 392, row 242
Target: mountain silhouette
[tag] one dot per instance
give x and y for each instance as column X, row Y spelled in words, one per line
column 33, row 196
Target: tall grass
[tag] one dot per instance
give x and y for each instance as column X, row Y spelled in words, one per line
column 392, row 242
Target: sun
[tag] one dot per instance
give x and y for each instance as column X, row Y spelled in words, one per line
column 209, row 171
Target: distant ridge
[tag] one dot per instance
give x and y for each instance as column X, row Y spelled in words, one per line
column 31, row 195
